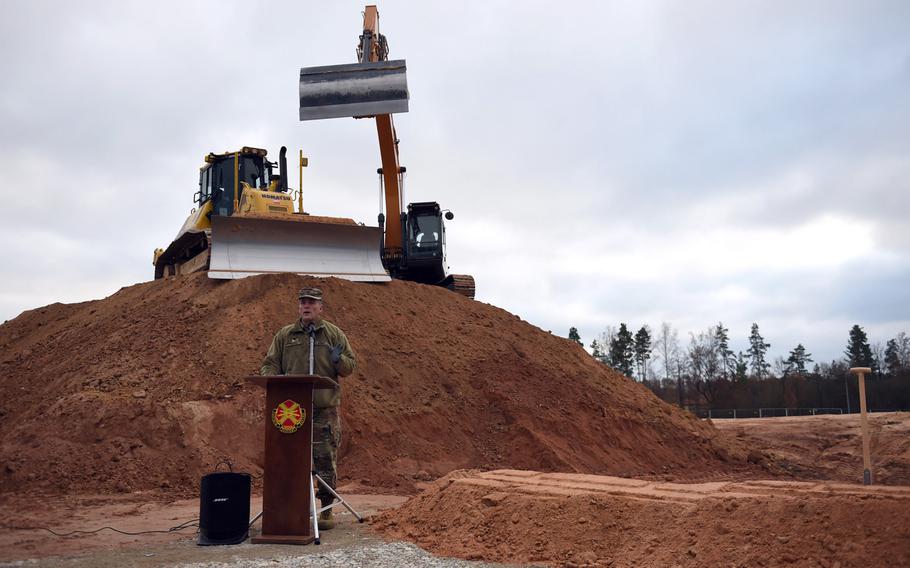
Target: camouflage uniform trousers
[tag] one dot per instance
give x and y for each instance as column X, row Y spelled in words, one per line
column 326, row 439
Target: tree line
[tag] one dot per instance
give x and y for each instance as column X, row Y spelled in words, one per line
column 706, row 374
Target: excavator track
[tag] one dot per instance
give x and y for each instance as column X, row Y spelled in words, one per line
column 462, row 284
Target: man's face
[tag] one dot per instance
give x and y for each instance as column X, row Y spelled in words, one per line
column 310, row 310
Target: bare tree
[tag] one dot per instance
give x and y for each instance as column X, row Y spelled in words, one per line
column 878, row 356
column 667, row 346
column 780, row 366
column 607, row 336
column 902, row 342
column 897, row 354
column 704, row 363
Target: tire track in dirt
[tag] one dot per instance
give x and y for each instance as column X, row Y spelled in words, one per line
column 575, row 520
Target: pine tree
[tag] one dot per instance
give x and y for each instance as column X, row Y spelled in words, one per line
column 757, row 350
column 742, row 367
column 723, row 351
column 642, row 350
column 597, row 350
column 893, row 365
column 798, row 360
column 897, row 355
column 858, row 352
column 573, row 335
column 621, row 354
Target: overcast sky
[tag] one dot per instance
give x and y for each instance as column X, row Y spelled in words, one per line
column 639, row 162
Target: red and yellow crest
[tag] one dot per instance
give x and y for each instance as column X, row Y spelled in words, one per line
column 288, row 416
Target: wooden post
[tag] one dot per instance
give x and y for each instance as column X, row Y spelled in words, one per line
column 867, row 458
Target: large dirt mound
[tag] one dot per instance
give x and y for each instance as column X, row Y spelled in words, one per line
column 143, row 390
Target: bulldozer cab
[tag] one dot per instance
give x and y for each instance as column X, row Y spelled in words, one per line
column 220, row 178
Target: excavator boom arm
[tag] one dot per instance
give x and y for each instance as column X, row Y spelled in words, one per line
column 392, row 177
column 373, row 49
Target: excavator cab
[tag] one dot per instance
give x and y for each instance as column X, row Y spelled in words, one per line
column 425, row 258
column 425, row 249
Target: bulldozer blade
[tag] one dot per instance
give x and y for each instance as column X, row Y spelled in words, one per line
column 356, row 89
column 244, row 246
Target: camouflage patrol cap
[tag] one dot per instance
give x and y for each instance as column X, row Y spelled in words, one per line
column 313, row 293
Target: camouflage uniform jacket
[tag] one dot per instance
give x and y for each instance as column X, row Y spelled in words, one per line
column 289, row 354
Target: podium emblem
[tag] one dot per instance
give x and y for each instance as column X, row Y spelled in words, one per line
column 288, row 416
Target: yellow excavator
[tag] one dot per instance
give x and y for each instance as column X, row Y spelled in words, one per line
column 245, row 223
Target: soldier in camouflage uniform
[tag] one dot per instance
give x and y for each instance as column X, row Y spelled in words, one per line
column 332, row 357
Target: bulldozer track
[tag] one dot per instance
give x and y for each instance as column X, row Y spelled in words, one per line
column 462, row 284
column 190, row 255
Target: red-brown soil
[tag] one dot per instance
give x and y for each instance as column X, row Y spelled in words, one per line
column 831, row 446
column 143, row 390
column 111, row 408
column 585, row 520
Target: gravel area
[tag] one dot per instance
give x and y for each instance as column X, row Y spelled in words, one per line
column 384, row 555
column 349, row 545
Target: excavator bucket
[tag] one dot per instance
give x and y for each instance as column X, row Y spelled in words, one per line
column 357, row 89
column 246, row 246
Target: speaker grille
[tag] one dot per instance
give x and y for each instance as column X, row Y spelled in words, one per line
column 224, row 508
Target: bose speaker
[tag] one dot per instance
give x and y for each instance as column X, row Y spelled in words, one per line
column 224, row 508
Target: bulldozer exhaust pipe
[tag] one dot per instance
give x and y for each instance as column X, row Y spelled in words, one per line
column 283, row 169
column 353, row 90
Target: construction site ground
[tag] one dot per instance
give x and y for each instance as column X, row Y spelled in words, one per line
column 466, row 431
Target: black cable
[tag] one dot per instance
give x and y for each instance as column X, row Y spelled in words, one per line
column 188, row 524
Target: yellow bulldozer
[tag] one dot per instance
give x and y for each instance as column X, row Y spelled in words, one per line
column 245, row 222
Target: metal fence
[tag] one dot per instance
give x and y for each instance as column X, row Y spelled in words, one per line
column 765, row 412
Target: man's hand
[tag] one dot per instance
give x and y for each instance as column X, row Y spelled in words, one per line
column 336, row 353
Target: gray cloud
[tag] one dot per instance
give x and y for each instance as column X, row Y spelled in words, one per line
column 606, row 162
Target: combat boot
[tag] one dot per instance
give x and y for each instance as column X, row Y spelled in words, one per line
column 326, row 520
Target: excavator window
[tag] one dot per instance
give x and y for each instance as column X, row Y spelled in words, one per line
column 426, row 231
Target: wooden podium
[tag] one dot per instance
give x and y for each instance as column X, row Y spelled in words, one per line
column 287, row 484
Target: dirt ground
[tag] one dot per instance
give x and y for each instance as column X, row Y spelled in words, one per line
column 830, row 446
column 144, row 390
column 558, row 519
column 112, row 410
column 22, row 535
column 574, row 519
column 570, row 519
